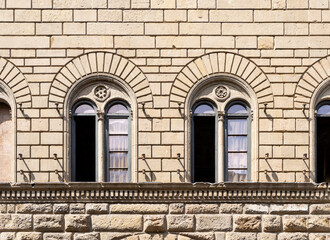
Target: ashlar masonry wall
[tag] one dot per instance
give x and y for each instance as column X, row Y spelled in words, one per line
column 278, row 48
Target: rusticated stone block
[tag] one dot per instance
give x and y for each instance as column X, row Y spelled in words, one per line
column 7, row 236
column 318, row 224
column 318, row 236
column 48, row 223
column 267, row 236
column 256, row 208
column 292, row 236
column 271, row 223
column 202, row 208
column 319, row 209
column 246, row 223
column 113, row 236
column 214, row 223
column 34, row 208
column 87, row 236
column 154, row 223
column 231, row 208
column 176, row 208
column 77, row 223
column 117, row 223
column 180, row 223
column 289, row 209
column 77, row 208
column 139, row 208
column 294, row 224
column 241, row 236
column 15, row 222
column 198, row 236
column 97, row 208
column 57, row 236
column 28, row 236
column 61, row 208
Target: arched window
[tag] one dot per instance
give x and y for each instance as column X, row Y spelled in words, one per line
column 84, row 153
column 204, row 142
column 237, row 142
column 323, row 142
column 118, row 142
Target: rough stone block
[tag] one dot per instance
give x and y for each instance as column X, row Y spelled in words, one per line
column 256, row 208
column 15, row 222
column 115, row 222
column 294, row 224
column 139, row 208
column 180, row 223
column 77, row 208
column 176, row 208
column 57, row 236
column 202, row 208
column 271, row 223
column 318, row 224
column 28, row 236
column 319, row 208
column 289, row 208
column 77, row 223
column 34, row 208
column 214, row 222
column 48, row 223
column 245, row 223
column 231, row 208
column 154, row 223
column 87, row 236
column 292, row 236
column 61, row 208
column 267, row 236
column 97, row 208
column 241, row 236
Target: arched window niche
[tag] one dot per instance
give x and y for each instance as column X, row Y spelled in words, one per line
column 220, row 109
column 111, row 108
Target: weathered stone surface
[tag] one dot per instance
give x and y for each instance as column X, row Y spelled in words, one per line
column 7, row 236
column 267, row 236
column 319, row 208
column 15, row 222
column 57, row 236
column 319, row 236
column 61, row 208
column 28, row 236
column 256, row 208
column 220, row 236
column 114, row 236
column 202, row 208
column 293, row 236
column 139, row 208
column 87, row 236
column 294, row 223
column 176, row 208
column 214, row 223
column 77, row 208
column 48, row 223
column 231, row 208
column 245, row 223
column 198, row 236
column 318, row 224
column 271, row 223
column 154, row 223
column 241, row 236
column 180, row 223
column 117, row 222
column 289, row 208
column 97, row 208
column 77, row 223
column 34, row 208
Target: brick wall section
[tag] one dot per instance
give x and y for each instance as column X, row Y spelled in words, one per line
column 282, row 37
column 158, row 221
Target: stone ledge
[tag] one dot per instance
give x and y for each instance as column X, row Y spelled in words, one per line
column 165, row 192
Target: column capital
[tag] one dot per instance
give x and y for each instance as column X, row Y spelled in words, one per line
column 100, row 115
column 221, row 115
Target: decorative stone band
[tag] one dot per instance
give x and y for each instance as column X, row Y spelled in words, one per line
column 165, row 192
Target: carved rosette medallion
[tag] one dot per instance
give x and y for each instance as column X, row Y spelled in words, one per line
column 221, row 92
column 101, row 93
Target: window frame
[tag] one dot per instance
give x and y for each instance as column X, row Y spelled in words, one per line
column 106, row 137
column 246, row 116
column 73, row 137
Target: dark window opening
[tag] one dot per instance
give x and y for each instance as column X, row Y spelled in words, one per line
column 323, row 149
column 204, row 149
column 84, row 152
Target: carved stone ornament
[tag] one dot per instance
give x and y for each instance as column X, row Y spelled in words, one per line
column 222, row 92
column 101, row 93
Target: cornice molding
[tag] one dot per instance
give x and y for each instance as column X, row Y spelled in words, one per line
column 165, row 192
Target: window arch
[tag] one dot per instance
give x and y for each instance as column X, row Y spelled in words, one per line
column 84, row 132
column 204, row 151
column 237, row 142
column 118, row 142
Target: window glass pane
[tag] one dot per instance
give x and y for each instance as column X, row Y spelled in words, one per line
column 84, row 108
column 118, row 126
column 118, row 175
column 237, row 143
column 118, row 143
column 237, row 108
column 237, row 175
column 204, row 108
column 118, row 160
column 237, row 126
column 118, row 109
column 325, row 109
column 237, row 160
